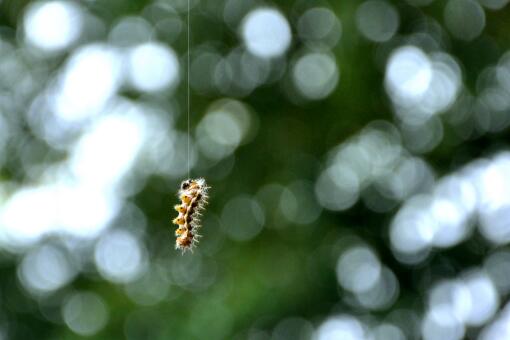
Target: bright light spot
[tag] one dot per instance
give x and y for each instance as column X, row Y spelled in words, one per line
column 455, row 295
column 159, row 152
column 239, row 72
column 63, row 207
column 319, row 25
column 232, row 131
column 108, row 150
column 130, row 31
column 460, row 190
column 153, row 67
column 409, row 175
column 45, row 269
column 444, row 218
column 413, row 229
column 382, row 295
column 388, row 331
column 426, row 221
column 496, row 100
column 53, row 25
column 422, row 86
column 499, row 329
column 465, row 19
column 450, row 220
column 495, row 225
column 19, row 228
column 377, row 20
column 354, row 156
column 485, row 298
column 441, row 323
column 494, row 185
column 83, row 211
column 470, row 301
column 315, row 75
column 408, row 75
column 91, row 77
column 365, row 159
column 120, row 257
column 337, row 188
column 266, row 33
column 444, row 86
column 358, row 269
column 85, row 313
column 381, row 141
column 344, row 327
column 223, row 129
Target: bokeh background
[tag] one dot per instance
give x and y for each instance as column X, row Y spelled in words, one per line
column 357, row 151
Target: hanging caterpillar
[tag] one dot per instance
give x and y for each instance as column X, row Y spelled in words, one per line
column 193, row 196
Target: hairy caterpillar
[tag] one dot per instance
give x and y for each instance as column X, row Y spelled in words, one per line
column 193, row 196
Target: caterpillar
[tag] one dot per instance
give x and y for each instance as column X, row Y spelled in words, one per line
column 193, row 194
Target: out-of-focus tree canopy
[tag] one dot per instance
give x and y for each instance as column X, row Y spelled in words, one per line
column 357, row 153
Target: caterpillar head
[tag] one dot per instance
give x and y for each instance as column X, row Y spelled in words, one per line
column 186, row 184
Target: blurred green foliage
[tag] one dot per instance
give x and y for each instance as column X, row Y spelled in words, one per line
column 244, row 289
